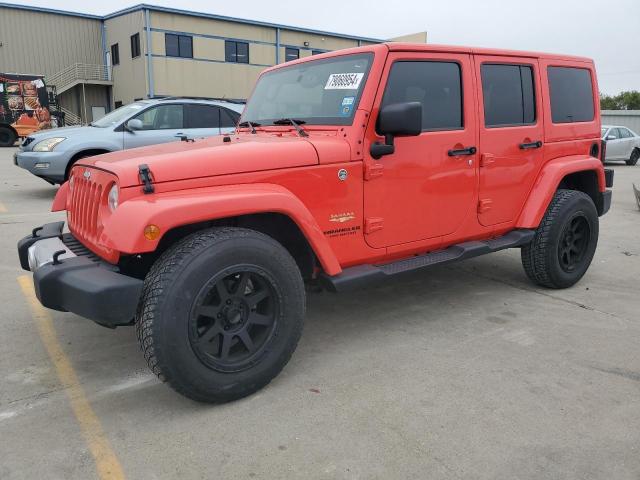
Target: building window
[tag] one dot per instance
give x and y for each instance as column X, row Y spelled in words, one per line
column 291, row 54
column 118, row 104
column 135, row 45
column 115, row 54
column 178, row 45
column 236, row 52
column 508, row 95
column 316, row 52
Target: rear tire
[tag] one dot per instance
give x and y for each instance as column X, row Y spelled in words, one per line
column 565, row 241
column 221, row 313
column 635, row 156
column 7, row 137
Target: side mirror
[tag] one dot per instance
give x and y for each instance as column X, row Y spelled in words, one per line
column 611, row 137
column 397, row 120
column 134, row 124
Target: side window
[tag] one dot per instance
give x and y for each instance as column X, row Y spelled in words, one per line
column 508, row 95
column 228, row 118
column 163, row 117
column 624, row 133
column 571, row 94
column 202, row 116
column 614, row 132
column 436, row 85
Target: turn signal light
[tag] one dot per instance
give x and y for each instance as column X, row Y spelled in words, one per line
column 151, row 232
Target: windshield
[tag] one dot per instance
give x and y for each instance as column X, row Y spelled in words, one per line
column 603, row 131
column 320, row 92
column 119, row 115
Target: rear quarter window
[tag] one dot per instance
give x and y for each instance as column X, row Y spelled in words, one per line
column 571, row 92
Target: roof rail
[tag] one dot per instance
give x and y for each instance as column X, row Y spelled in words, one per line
column 216, row 99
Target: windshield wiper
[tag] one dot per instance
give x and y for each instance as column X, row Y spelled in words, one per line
column 295, row 123
column 251, row 125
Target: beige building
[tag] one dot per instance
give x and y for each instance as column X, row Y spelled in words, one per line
column 98, row 63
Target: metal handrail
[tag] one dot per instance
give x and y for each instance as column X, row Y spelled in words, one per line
column 77, row 72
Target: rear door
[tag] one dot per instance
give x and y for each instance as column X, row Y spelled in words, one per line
column 628, row 142
column 615, row 144
column 511, row 134
column 160, row 124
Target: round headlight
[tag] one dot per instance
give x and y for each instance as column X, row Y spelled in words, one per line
column 112, row 199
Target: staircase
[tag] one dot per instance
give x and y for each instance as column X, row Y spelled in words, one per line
column 79, row 73
column 70, row 118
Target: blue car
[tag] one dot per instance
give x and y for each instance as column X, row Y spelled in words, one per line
column 49, row 154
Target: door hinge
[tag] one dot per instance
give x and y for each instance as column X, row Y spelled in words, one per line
column 487, row 159
column 373, row 170
column 373, row 224
column 484, row 205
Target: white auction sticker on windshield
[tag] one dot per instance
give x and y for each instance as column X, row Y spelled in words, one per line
column 344, row 81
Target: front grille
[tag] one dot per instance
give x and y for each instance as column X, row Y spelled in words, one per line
column 83, row 208
column 27, row 141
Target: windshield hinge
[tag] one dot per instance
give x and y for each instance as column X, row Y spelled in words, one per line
column 145, row 177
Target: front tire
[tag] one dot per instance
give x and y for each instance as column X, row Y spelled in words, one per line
column 565, row 241
column 7, row 137
column 635, row 156
column 221, row 313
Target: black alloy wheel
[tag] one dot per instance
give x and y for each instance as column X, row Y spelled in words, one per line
column 573, row 244
column 233, row 319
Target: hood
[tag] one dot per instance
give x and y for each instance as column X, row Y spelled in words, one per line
column 61, row 132
column 208, row 157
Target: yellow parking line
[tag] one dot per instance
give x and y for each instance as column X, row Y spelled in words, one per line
column 107, row 463
column 3, row 209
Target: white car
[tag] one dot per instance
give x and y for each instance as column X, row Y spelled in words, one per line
column 622, row 144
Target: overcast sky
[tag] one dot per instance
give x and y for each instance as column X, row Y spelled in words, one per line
column 608, row 32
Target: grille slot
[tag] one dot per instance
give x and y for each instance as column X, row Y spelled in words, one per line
column 27, row 141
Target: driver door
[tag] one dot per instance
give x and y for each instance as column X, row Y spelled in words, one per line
column 160, row 124
column 426, row 188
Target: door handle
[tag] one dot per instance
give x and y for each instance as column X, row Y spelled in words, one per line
column 527, row 146
column 462, row 151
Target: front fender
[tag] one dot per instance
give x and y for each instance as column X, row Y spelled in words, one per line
column 548, row 181
column 60, row 200
column 123, row 230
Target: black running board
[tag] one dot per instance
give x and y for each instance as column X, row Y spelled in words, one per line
column 358, row 276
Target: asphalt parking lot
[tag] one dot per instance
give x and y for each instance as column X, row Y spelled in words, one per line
column 465, row 371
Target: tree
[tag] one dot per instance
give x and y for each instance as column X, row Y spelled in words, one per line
column 623, row 101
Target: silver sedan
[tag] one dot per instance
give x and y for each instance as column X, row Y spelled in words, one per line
column 622, row 144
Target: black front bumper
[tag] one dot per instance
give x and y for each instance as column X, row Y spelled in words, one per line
column 84, row 284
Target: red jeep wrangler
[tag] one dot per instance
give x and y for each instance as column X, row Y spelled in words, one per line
column 347, row 168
